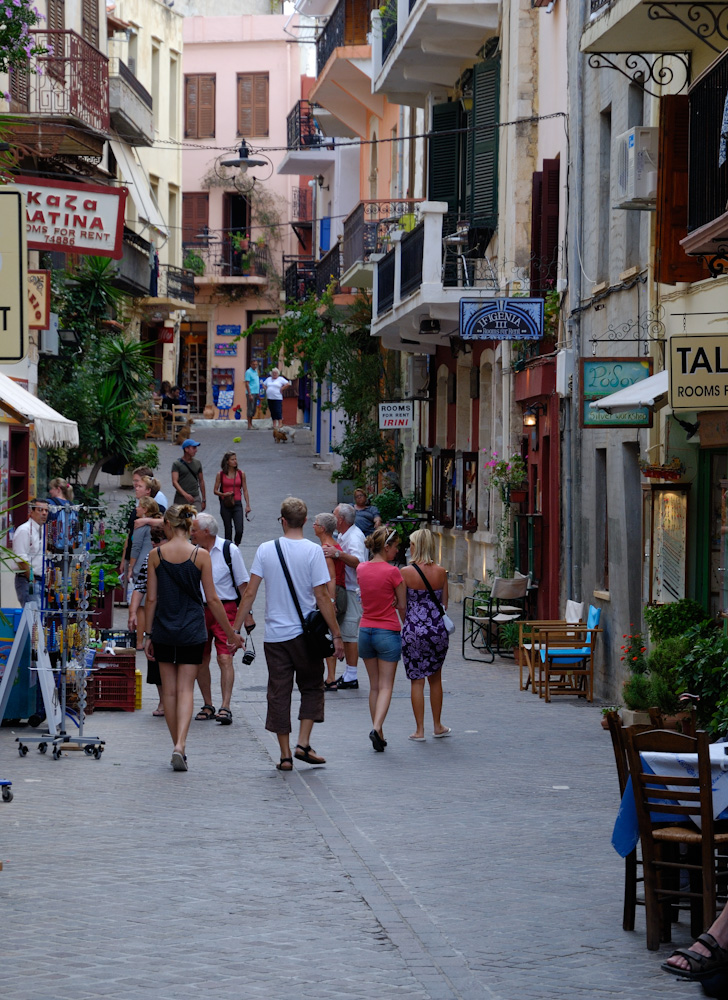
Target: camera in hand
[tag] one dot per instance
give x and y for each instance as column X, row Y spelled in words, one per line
column 248, row 656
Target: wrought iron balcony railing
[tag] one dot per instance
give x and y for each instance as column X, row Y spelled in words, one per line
column 464, row 259
column 385, row 275
column 328, row 269
column 348, row 25
column 176, row 283
column 74, row 81
column 301, row 204
column 597, row 5
column 299, row 278
column 368, row 228
column 707, row 182
column 413, row 245
column 302, row 130
column 389, row 27
column 222, row 260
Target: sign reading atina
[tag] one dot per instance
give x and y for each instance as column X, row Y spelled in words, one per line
column 73, row 218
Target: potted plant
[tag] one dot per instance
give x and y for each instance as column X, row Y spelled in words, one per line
column 237, row 411
column 505, row 475
column 194, row 262
column 636, row 689
column 610, row 710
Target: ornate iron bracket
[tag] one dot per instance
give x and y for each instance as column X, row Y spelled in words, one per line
column 717, row 263
column 647, row 327
column 704, row 19
column 638, row 68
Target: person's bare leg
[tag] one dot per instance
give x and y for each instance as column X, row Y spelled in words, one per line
column 168, row 672
column 719, row 930
column 160, row 704
column 418, row 706
column 186, row 676
column 227, row 677
column 436, row 701
column 384, row 695
column 304, row 732
column 373, row 671
column 330, row 669
column 204, row 679
column 141, row 627
column 284, row 742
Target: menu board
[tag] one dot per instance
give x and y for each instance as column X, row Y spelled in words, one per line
column 665, row 535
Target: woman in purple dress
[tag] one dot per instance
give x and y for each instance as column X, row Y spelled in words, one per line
column 424, row 636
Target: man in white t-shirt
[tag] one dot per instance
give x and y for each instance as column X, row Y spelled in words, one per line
column 286, row 653
column 274, row 386
column 353, row 551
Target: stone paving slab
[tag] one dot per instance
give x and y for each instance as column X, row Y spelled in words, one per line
column 477, row 866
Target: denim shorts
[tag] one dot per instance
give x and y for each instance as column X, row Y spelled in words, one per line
column 380, row 643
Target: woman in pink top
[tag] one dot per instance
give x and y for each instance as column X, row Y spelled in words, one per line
column 383, row 601
column 231, row 486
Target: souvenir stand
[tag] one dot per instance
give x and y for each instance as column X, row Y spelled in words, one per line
column 57, row 624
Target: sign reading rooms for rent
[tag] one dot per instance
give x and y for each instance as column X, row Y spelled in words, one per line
column 699, row 372
column 395, row 416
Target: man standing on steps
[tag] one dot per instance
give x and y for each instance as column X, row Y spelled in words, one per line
column 286, row 652
column 187, row 478
column 353, row 551
column 231, row 579
column 252, row 391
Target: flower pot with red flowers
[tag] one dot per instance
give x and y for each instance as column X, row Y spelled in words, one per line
column 238, row 413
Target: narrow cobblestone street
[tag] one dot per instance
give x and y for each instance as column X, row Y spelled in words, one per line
column 478, row 866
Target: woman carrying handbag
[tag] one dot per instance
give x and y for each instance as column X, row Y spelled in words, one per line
column 231, row 487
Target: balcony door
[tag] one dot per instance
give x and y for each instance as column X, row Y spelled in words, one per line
column 235, row 222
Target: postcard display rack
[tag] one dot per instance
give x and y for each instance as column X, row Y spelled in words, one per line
column 59, row 625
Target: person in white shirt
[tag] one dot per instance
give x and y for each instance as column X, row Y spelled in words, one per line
column 286, row 653
column 28, row 547
column 230, row 583
column 274, row 386
column 353, row 551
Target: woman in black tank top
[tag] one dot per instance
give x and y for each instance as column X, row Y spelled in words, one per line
column 176, row 621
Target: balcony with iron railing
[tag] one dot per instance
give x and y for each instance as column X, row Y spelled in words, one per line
column 302, row 130
column 649, row 27
column 368, row 230
column 221, row 263
column 302, row 204
column 72, row 84
column 177, row 283
column 328, row 269
column 133, row 271
column 130, row 105
column 348, row 25
column 299, row 278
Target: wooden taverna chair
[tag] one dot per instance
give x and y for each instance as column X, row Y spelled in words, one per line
column 632, row 863
column 527, row 660
column 565, row 658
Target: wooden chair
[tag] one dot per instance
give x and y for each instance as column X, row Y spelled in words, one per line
column 681, row 798
column 482, row 617
column 525, row 650
column 565, row 658
column 631, row 862
column 180, row 416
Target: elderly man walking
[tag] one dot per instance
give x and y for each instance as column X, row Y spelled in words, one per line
column 231, row 579
column 353, row 551
column 286, row 652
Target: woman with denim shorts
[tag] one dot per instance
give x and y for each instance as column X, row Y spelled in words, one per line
column 383, row 601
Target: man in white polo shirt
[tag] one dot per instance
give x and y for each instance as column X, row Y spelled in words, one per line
column 231, row 580
column 353, row 551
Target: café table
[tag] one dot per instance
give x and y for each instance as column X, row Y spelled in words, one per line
column 626, row 834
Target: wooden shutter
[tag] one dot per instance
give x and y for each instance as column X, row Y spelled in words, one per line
column 549, row 249
column 206, row 107
column 536, row 193
column 191, row 102
column 57, row 18
column 672, row 264
column 195, row 215
column 252, row 104
column 484, row 165
column 90, row 22
column 260, row 104
column 444, row 155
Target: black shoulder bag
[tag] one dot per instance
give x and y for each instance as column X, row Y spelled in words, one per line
column 315, row 630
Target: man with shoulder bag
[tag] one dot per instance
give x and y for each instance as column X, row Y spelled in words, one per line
column 295, row 642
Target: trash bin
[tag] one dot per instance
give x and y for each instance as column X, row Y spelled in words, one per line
column 22, row 701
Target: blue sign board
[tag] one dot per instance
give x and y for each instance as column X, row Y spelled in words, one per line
column 501, row 319
column 228, row 331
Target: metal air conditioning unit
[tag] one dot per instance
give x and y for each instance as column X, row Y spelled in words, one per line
column 418, row 376
column 637, row 168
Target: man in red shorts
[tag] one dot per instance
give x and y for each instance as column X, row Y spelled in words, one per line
column 231, row 579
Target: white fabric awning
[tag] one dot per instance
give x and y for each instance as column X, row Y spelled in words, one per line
column 650, row 392
column 52, row 429
column 138, row 183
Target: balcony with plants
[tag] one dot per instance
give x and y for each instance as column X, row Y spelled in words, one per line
column 299, row 278
column 421, row 46
column 63, row 106
column 309, row 151
column 368, row 230
column 234, row 260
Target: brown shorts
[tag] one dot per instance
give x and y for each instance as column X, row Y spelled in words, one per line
column 287, row 660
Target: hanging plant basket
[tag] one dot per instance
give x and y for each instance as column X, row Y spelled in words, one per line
column 518, row 494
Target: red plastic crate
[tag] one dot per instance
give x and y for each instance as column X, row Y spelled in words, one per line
column 113, row 686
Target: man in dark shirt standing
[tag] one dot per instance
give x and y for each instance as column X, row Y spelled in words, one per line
column 187, row 478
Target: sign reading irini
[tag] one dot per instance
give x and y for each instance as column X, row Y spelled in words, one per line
column 74, row 218
column 501, row 319
column 699, row 372
column 396, row 416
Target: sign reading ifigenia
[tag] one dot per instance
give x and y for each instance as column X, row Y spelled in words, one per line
column 501, row 319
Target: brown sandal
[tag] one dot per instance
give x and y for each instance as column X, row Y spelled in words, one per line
column 308, row 755
column 286, row 764
column 206, row 714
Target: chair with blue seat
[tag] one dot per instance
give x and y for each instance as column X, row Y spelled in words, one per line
column 565, row 658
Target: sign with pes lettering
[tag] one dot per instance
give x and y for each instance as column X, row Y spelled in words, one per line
column 73, row 218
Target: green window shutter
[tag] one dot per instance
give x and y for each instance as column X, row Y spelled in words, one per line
column 444, row 155
column 484, row 138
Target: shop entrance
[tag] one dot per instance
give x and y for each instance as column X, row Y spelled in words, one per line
column 193, row 364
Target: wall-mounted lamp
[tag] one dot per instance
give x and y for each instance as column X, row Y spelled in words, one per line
column 531, row 414
column 320, row 180
column 458, row 345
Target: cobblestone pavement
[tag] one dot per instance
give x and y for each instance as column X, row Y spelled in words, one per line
column 473, row 867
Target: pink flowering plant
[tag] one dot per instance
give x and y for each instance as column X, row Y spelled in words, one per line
column 504, row 473
column 17, row 45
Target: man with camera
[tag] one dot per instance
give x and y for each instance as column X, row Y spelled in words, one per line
column 231, row 580
column 286, row 653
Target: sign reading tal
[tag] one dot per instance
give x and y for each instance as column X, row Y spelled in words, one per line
column 13, row 276
column 74, row 218
column 396, row 416
column 501, row 319
column 699, row 372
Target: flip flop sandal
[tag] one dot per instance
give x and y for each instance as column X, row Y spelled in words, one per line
column 286, row 764
column 225, row 717
column 308, row 755
column 157, row 714
column 179, row 761
column 206, row 714
column 701, row 966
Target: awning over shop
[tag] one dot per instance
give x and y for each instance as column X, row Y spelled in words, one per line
column 52, row 430
column 138, row 184
column 650, row 392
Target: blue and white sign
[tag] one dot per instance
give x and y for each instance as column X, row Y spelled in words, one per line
column 501, row 319
column 228, row 331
